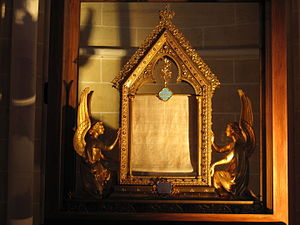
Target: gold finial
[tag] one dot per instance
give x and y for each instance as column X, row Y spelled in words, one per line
column 167, row 13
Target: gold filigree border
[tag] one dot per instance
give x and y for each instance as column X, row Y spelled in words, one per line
column 166, row 40
column 157, row 33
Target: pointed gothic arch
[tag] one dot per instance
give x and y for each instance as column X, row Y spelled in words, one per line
column 166, row 41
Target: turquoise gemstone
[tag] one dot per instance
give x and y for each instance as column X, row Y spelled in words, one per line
column 165, row 94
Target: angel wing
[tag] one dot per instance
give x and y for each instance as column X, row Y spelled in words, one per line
column 246, row 108
column 246, row 121
column 83, row 123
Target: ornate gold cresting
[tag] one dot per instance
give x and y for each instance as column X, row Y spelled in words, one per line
column 166, row 41
column 167, row 14
column 190, row 57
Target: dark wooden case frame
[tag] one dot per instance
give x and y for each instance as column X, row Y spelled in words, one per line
column 64, row 41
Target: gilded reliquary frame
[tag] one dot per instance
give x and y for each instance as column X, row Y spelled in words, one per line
column 166, row 41
column 63, row 64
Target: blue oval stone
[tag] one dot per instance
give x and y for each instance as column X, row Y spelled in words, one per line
column 165, row 94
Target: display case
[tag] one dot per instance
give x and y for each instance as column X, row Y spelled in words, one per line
column 167, row 80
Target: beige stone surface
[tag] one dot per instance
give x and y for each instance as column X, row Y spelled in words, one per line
column 146, row 14
column 232, row 36
column 91, row 13
column 105, row 97
column 226, row 99
column 89, row 69
column 97, row 116
column 194, row 36
column 110, row 69
column 223, row 69
column 119, row 17
column 131, row 14
column 203, row 14
column 108, row 36
column 230, row 53
column 113, row 13
column 247, row 71
column 142, row 34
column 111, row 120
column 247, row 13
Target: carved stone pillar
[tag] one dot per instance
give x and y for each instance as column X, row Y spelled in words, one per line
column 22, row 112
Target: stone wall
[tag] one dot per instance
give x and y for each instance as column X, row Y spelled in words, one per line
column 226, row 36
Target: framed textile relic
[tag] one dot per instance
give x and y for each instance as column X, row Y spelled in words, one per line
column 168, row 115
column 152, row 126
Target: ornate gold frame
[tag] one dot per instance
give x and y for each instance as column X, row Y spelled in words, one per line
column 167, row 40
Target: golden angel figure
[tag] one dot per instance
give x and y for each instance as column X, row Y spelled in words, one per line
column 95, row 175
column 233, row 181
